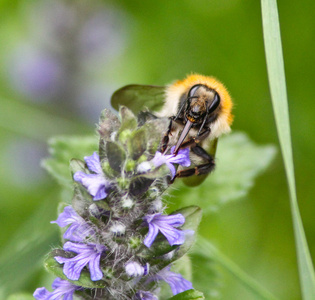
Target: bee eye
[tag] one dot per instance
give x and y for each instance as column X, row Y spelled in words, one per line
column 215, row 103
column 193, row 90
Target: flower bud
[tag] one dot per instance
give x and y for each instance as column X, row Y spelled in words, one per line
column 118, row 229
column 134, row 269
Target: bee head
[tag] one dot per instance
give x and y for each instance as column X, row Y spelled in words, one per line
column 201, row 103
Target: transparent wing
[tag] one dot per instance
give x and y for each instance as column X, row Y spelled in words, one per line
column 138, row 97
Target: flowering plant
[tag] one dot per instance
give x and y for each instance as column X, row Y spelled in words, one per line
column 118, row 243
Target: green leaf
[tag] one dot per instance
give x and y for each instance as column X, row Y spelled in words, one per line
column 57, row 269
column 128, row 119
column 116, row 155
column 188, row 295
column 139, row 185
column 192, row 216
column 108, row 124
column 238, row 162
column 276, row 75
column 62, row 150
column 77, row 165
column 156, row 129
column 137, row 143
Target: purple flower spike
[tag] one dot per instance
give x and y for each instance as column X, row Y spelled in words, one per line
column 182, row 158
column 78, row 229
column 166, row 225
column 176, row 281
column 62, row 288
column 143, row 295
column 87, row 254
column 96, row 184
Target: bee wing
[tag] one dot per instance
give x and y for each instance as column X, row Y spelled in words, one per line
column 211, row 147
column 137, row 97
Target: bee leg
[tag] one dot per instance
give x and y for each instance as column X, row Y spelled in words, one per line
column 200, row 169
column 201, row 136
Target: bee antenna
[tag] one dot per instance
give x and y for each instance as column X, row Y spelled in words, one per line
column 204, row 120
column 202, row 125
column 180, row 110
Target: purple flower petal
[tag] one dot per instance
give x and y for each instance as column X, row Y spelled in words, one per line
column 153, row 232
column 166, row 225
column 63, row 289
column 96, row 184
column 87, row 255
column 78, row 229
column 93, row 163
column 95, row 269
column 143, row 295
column 176, row 281
column 41, row 294
column 182, row 158
column 172, row 169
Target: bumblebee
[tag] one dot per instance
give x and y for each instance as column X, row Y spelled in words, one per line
column 199, row 109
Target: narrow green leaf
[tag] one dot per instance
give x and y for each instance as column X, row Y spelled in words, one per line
column 207, row 250
column 188, row 295
column 276, row 75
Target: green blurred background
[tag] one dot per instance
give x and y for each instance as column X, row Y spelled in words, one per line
column 61, row 60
